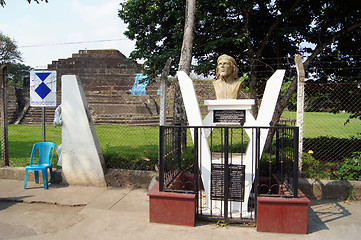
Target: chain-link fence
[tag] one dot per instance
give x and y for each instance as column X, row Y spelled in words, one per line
column 330, row 137
column 127, row 125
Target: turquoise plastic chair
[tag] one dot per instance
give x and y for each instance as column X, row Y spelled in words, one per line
column 46, row 151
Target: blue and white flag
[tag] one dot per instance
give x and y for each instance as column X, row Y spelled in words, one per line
column 43, row 88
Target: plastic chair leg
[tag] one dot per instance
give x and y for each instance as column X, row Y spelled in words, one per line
column 51, row 175
column 26, row 178
column 45, row 178
column 36, row 173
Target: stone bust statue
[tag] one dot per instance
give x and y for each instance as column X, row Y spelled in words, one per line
column 226, row 85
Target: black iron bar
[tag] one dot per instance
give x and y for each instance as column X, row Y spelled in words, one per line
column 171, row 164
column 161, row 159
column 226, row 173
column 295, row 164
column 257, row 159
column 196, row 177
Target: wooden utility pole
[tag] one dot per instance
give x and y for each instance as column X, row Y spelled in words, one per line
column 4, row 118
column 300, row 105
column 163, row 93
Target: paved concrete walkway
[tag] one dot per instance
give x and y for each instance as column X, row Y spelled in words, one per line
column 74, row 212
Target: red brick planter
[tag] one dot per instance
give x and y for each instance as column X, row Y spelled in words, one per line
column 282, row 215
column 171, row 208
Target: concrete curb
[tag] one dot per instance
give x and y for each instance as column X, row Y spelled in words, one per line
column 18, row 173
column 312, row 188
column 130, row 178
column 113, row 177
column 330, row 189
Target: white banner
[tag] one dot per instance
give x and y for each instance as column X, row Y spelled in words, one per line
column 43, row 88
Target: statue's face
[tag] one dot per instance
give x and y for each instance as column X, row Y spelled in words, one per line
column 225, row 68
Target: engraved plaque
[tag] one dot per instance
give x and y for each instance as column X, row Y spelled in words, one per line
column 236, row 186
column 229, row 116
column 217, row 182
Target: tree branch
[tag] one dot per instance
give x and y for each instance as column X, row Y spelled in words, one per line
column 187, row 45
column 274, row 25
column 322, row 45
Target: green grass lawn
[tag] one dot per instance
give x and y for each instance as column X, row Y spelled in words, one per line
column 318, row 124
column 141, row 143
column 22, row 139
column 112, row 138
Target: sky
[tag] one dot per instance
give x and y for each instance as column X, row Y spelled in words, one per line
column 55, row 30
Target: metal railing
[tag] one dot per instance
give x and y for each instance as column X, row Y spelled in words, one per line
column 275, row 174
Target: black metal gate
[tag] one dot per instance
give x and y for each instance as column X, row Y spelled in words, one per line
column 231, row 199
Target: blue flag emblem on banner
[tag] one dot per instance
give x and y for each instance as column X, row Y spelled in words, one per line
column 42, row 90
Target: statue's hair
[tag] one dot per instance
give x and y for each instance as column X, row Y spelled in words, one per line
column 234, row 75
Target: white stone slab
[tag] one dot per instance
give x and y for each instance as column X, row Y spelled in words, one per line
column 195, row 119
column 82, row 159
column 265, row 114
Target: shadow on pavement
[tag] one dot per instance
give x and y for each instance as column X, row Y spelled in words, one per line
column 6, row 202
column 322, row 212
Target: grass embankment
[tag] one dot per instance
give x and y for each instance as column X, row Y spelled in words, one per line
column 317, row 124
column 116, row 141
column 125, row 146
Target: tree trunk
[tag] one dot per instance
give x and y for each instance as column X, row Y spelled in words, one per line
column 188, row 36
column 179, row 115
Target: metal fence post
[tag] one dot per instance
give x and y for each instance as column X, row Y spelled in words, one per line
column 226, row 173
column 161, row 157
column 43, row 123
column 163, row 93
column 4, row 118
column 257, row 165
column 300, row 104
column 295, row 164
column 196, row 176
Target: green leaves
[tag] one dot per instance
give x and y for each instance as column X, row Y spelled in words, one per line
column 260, row 35
column 350, row 168
column 8, row 50
column 157, row 27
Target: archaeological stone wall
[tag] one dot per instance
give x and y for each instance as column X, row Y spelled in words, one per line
column 98, row 69
column 107, row 76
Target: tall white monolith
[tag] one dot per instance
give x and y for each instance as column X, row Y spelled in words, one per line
column 82, row 159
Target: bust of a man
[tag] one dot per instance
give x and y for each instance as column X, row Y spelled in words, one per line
column 226, row 85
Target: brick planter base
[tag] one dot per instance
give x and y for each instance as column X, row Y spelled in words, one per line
column 282, row 215
column 171, row 208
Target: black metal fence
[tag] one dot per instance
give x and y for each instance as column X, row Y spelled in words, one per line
column 238, row 172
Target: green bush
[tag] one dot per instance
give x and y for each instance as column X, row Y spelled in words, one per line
column 347, row 169
column 266, row 164
column 312, row 167
column 350, row 168
column 138, row 158
column 332, row 149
